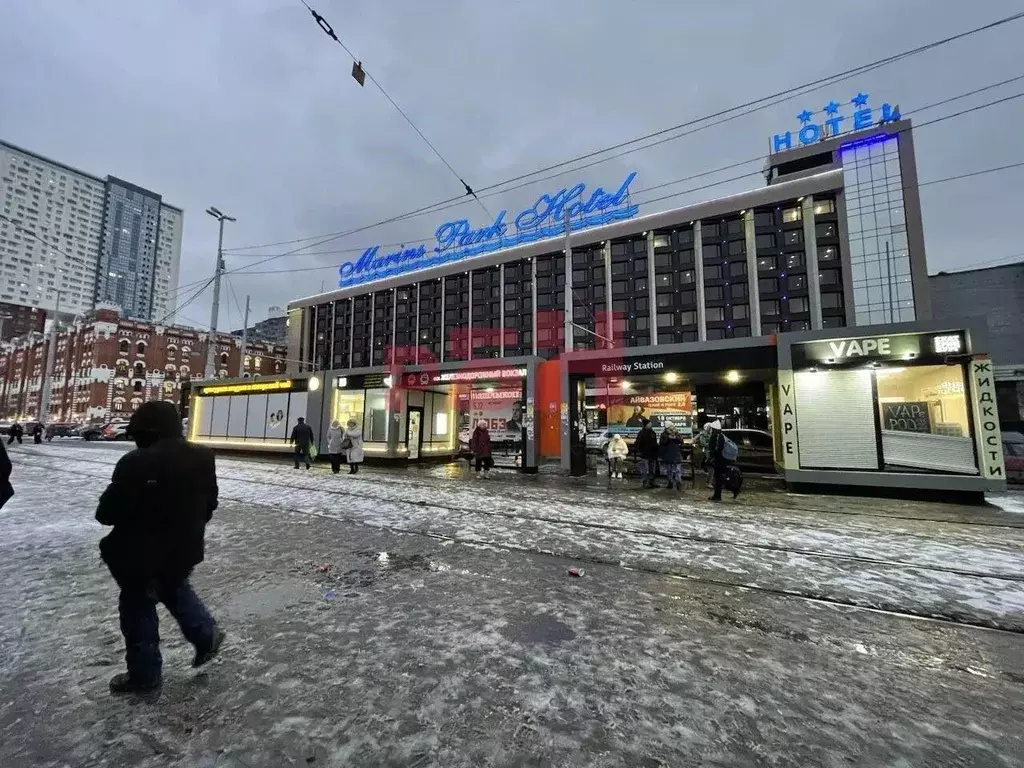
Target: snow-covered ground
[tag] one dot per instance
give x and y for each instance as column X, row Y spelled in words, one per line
column 968, row 573
column 408, row 619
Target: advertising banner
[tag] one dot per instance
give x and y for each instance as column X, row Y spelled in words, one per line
column 662, row 409
column 502, row 409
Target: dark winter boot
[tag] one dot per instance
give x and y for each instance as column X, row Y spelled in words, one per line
column 204, row 656
column 122, row 683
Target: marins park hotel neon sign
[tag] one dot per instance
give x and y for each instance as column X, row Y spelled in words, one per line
column 456, row 240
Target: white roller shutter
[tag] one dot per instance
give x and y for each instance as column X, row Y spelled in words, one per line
column 924, row 451
column 835, row 420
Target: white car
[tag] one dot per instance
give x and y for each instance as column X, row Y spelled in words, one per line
column 597, row 439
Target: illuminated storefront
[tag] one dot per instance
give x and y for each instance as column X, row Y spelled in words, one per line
column 251, row 414
column 910, row 405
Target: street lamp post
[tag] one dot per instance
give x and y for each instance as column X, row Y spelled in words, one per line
column 211, row 347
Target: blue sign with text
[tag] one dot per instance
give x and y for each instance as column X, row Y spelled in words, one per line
column 457, row 240
column 834, row 123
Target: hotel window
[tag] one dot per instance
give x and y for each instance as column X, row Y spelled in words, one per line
column 827, row 252
column 712, row 252
column 736, row 247
column 831, row 300
column 662, row 241
column 738, row 291
column 714, row 314
column 686, row 277
column 734, row 227
column 798, row 304
column 689, row 317
column 768, row 285
column 765, row 242
column 794, row 260
column 822, row 207
column 740, row 311
column 793, row 237
column 666, row 320
column 737, row 268
column 770, row 307
column 683, row 237
column 764, row 219
column 765, row 263
column 825, row 229
column 713, row 272
column 709, row 230
column 828, row 277
column 790, row 215
column 796, row 282
column 714, row 293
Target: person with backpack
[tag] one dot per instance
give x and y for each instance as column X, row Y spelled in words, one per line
column 723, row 453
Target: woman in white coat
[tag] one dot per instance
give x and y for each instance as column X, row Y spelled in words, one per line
column 353, row 446
column 334, row 437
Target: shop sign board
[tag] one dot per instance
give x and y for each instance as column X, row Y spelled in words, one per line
column 832, row 122
column 457, row 240
column 787, row 421
column 986, row 419
column 906, row 417
column 902, row 347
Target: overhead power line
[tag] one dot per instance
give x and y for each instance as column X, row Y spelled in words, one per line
column 247, row 268
column 359, row 73
column 750, row 107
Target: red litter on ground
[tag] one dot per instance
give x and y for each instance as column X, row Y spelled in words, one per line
column 577, row 572
column 324, row 567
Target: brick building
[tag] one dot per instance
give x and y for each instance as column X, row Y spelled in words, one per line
column 16, row 320
column 107, row 365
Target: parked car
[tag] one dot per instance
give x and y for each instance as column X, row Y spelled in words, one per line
column 756, row 452
column 60, row 430
column 90, row 432
column 1013, row 455
column 116, row 430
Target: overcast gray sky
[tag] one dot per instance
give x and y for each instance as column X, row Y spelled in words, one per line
column 248, row 106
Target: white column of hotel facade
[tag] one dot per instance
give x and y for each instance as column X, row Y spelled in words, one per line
column 652, row 289
column 501, row 309
column 811, row 261
column 606, row 259
column 753, row 290
column 698, row 276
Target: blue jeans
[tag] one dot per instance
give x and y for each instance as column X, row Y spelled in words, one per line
column 140, row 625
column 647, row 469
column 674, row 472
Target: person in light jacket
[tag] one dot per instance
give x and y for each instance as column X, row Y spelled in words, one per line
column 352, row 444
column 334, row 437
column 617, row 450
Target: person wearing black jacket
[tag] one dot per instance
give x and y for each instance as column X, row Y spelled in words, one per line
column 6, row 489
column 302, row 438
column 646, row 449
column 159, row 501
column 16, row 433
column 716, row 446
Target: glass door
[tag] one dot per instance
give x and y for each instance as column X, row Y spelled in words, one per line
column 414, row 434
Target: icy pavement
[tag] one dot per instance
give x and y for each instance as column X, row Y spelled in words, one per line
column 440, row 634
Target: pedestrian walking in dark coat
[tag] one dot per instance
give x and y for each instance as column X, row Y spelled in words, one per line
column 646, row 449
column 16, row 433
column 302, row 439
column 159, row 501
column 480, row 445
column 37, row 433
column 6, row 489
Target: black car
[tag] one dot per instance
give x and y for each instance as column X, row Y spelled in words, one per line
column 756, row 452
column 60, row 430
column 91, row 431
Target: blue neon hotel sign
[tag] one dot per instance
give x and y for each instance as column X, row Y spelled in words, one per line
column 456, row 240
column 834, row 123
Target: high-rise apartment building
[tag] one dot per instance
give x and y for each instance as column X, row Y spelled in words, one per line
column 64, row 231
